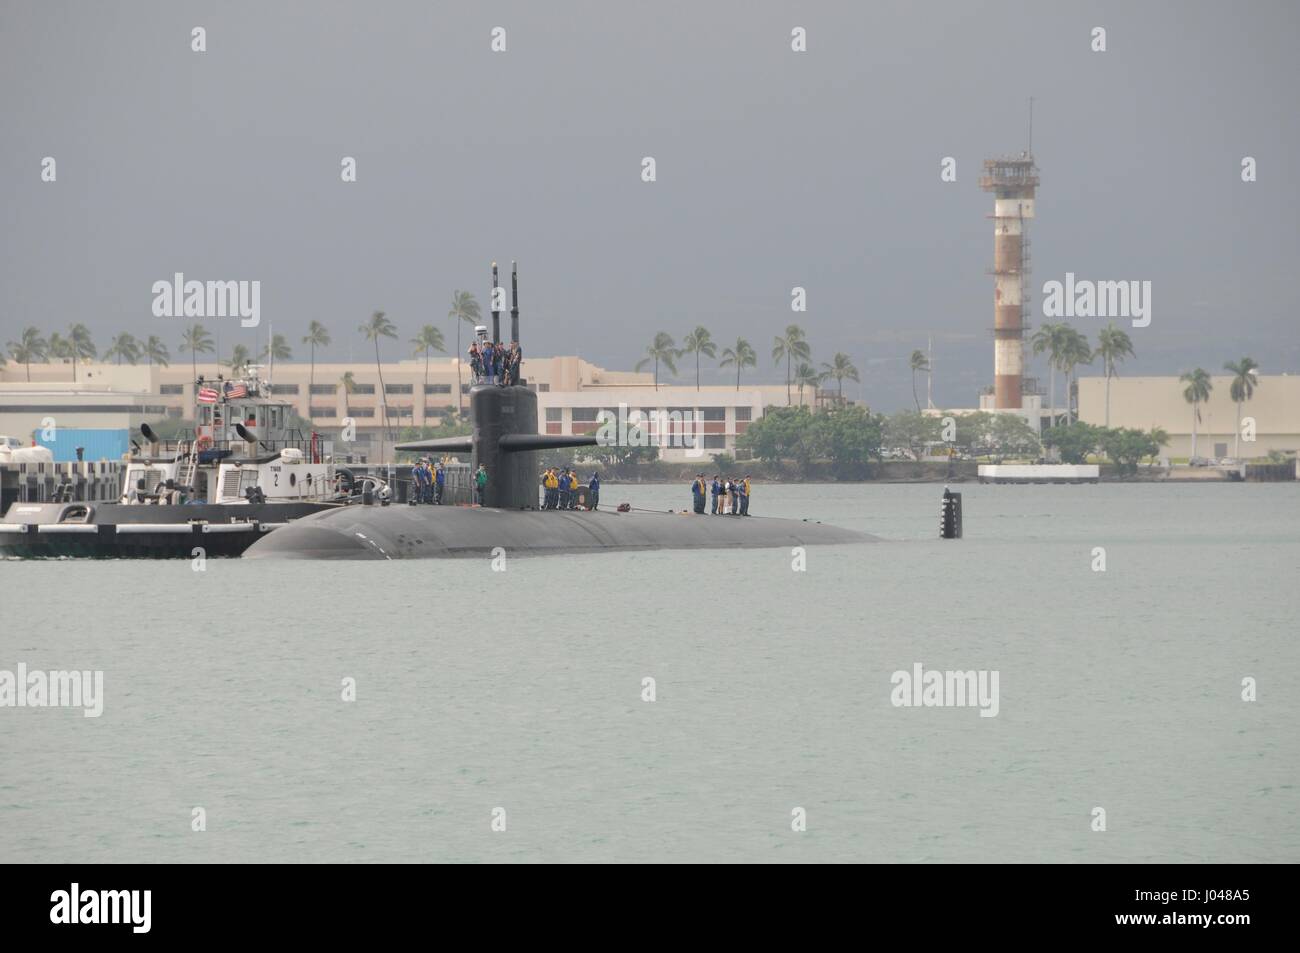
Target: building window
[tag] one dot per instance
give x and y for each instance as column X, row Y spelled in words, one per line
column 584, row 414
column 399, row 389
column 543, row 388
column 437, row 388
column 361, row 411
column 715, row 442
column 714, row 413
column 322, row 411
column 284, row 388
column 323, row 388
column 166, row 389
column 554, row 415
column 438, row 410
column 174, row 411
column 363, row 388
column 744, row 413
column 404, row 410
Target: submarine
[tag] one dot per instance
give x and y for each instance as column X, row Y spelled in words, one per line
column 506, row 441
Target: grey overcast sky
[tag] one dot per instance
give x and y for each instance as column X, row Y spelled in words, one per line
column 775, row 169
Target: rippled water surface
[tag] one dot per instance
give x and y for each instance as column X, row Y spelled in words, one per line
column 522, row 690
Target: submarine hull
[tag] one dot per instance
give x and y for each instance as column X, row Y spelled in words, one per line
column 444, row 532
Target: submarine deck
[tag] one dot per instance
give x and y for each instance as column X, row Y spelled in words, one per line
column 433, row 532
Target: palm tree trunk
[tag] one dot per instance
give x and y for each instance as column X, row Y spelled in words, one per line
column 311, row 379
column 1196, row 414
column 1051, row 395
column 29, row 371
column 1108, row 397
column 1236, row 437
column 737, row 374
column 787, row 379
column 916, row 400
column 460, row 400
column 383, row 401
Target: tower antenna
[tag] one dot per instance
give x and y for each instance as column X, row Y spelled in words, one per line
column 1031, row 125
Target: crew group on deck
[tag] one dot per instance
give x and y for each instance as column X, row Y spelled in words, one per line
column 730, row 496
column 560, row 490
column 430, row 481
column 494, row 362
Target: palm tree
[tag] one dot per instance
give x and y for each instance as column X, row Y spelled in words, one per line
column 1241, row 390
column 429, row 339
column 1075, row 351
column 699, row 342
column 83, row 347
column 239, row 361
column 30, row 347
column 805, row 375
column 124, row 347
column 464, row 308
column 1196, row 393
column 316, row 336
column 61, row 348
column 349, row 383
column 663, row 351
column 1113, row 345
column 197, row 341
column 156, row 351
column 918, row 362
column 742, row 355
column 841, row 368
column 278, row 348
column 380, row 327
column 1050, row 338
column 789, row 347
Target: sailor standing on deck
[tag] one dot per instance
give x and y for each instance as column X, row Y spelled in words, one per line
column 417, row 482
column 562, row 491
column 439, row 479
column 697, row 493
column 744, row 500
column 714, row 490
column 594, row 489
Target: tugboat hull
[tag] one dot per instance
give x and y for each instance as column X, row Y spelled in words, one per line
column 118, row 531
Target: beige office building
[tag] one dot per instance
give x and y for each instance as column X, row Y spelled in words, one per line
column 571, row 393
column 1146, row 402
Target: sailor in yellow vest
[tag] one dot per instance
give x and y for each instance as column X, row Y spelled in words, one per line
column 552, row 484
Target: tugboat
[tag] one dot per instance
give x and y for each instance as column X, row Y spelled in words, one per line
column 241, row 473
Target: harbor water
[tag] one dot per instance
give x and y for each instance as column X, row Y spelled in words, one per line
column 514, row 695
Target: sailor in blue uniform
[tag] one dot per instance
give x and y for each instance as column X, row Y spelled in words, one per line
column 697, row 493
column 594, row 488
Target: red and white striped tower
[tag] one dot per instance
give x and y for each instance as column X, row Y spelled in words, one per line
column 1013, row 182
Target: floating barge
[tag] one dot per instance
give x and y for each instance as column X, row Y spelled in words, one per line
column 1040, row 473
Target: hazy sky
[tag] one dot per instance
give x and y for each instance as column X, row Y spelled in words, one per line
column 775, row 169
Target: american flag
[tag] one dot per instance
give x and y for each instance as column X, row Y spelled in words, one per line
column 234, row 390
column 207, row 395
